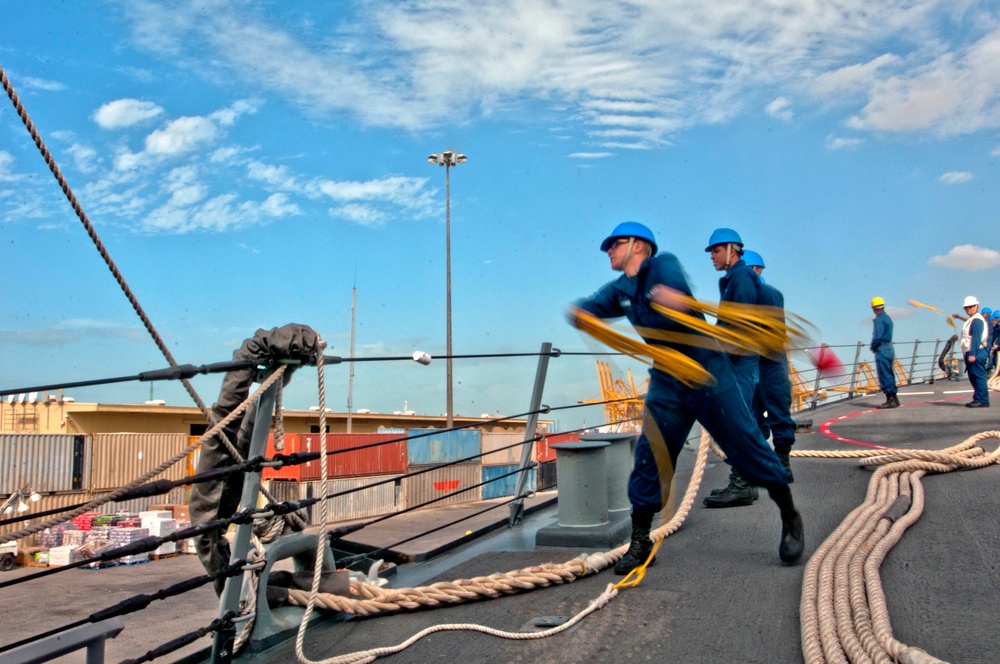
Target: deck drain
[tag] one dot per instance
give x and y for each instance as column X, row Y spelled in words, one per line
column 542, row 623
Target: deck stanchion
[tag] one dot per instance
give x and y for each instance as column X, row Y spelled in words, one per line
column 517, row 507
column 937, row 344
column 913, row 361
column 222, row 646
column 854, row 370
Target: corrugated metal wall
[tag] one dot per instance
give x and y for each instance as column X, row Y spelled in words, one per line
column 496, row 439
column 442, row 481
column 442, row 446
column 499, row 487
column 119, row 458
column 547, row 479
column 385, row 498
column 42, row 462
column 293, row 444
column 387, row 459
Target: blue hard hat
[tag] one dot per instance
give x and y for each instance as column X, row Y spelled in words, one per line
column 986, row 311
column 753, row 259
column 724, row 236
column 630, row 229
column 995, row 315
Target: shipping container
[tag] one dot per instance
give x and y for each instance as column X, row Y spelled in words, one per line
column 65, row 500
column 293, row 444
column 42, row 462
column 434, row 447
column 500, row 486
column 386, row 497
column 386, row 459
column 544, row 446
column 547, row 480
column 119, row 458
column 440, row 482
column 494, row 440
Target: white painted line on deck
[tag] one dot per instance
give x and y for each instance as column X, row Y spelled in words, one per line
column 910, row 394
column 957, row 391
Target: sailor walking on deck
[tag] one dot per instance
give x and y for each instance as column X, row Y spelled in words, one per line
column 741, row 285
column 671, row 407
column 885, row 355
column 973, row 342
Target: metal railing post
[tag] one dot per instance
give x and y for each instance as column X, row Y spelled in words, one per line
column 517, row 507
column 222, row 646
column 913, row 361
column 937, row 344
column 854, row 370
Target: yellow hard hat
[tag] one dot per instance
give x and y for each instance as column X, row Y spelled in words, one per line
column 878, row 302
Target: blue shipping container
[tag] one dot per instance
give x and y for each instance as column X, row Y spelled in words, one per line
column 506, row 485
column 442, row 446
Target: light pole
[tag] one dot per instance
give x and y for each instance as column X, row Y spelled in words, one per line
column 448, row 158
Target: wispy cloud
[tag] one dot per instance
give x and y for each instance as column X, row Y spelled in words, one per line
column 955, row 177
column 841, row 143
column 597, row 65
column 591, row 155
column 34, row 83
column 780, row 108
column 967, row 257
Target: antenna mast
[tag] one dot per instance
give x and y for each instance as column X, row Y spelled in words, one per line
column 350, row 375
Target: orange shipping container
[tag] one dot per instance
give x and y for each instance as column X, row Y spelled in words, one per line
column 544, row 447
column 293, row 443
column 387, row 459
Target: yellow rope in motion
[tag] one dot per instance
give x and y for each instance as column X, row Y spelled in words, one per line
column 948, row 319
column 665, row 359
column 639, row 572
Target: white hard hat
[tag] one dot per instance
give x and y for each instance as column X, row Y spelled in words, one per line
column 970, row 301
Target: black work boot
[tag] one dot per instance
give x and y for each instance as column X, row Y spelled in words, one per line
column 793, row 540
column 890, row 402
column 786, row 463
column 641, row 546
column 738, row 493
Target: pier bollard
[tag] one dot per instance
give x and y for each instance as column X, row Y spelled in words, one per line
column 583, row 520
column 619, row 461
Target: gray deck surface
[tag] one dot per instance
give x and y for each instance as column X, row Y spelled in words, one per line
column 717, row 594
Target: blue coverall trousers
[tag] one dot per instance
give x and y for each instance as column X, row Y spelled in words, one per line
column 977, row 376
column 774, row 395
column 884, row 357
column 672, row 409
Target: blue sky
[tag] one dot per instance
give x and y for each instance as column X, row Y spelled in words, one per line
column 245, row 163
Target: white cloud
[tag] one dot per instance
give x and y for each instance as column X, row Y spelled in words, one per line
column 840, row 143
column 780, row 108
column 227, row 116
column 182, row 135
column 7, row 173
column 967, row 257
column 125, row 113
column 955, row 177
column 365, row 215
column 595, row 64
column 84, row 157
column 996, row 151
column 33, row 83
column 591, row 155
column 958, row 92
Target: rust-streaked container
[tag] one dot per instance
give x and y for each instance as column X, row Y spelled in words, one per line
column 119, row 458
column 431, row 447
column 543, row 449
column 502, row 481
column 363, row 501
column 293, row 444
column 42, row 462
column 63, row 500
column 440, row 482
column 386, row 459
column 494, row 440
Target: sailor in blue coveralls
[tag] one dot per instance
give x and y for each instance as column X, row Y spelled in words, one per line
column 772, row 400
column 885, row 355
column 741, row 285
column 671, row 407
column 973, row 342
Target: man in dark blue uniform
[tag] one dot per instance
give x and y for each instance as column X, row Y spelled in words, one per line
column 885, row 355
column 973, row 342
column 741, row 285
column 772, row 400
column 671, row 407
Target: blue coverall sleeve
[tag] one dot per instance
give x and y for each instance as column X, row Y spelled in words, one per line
column 604, row 303
column 744, row 288
column 976, row 334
